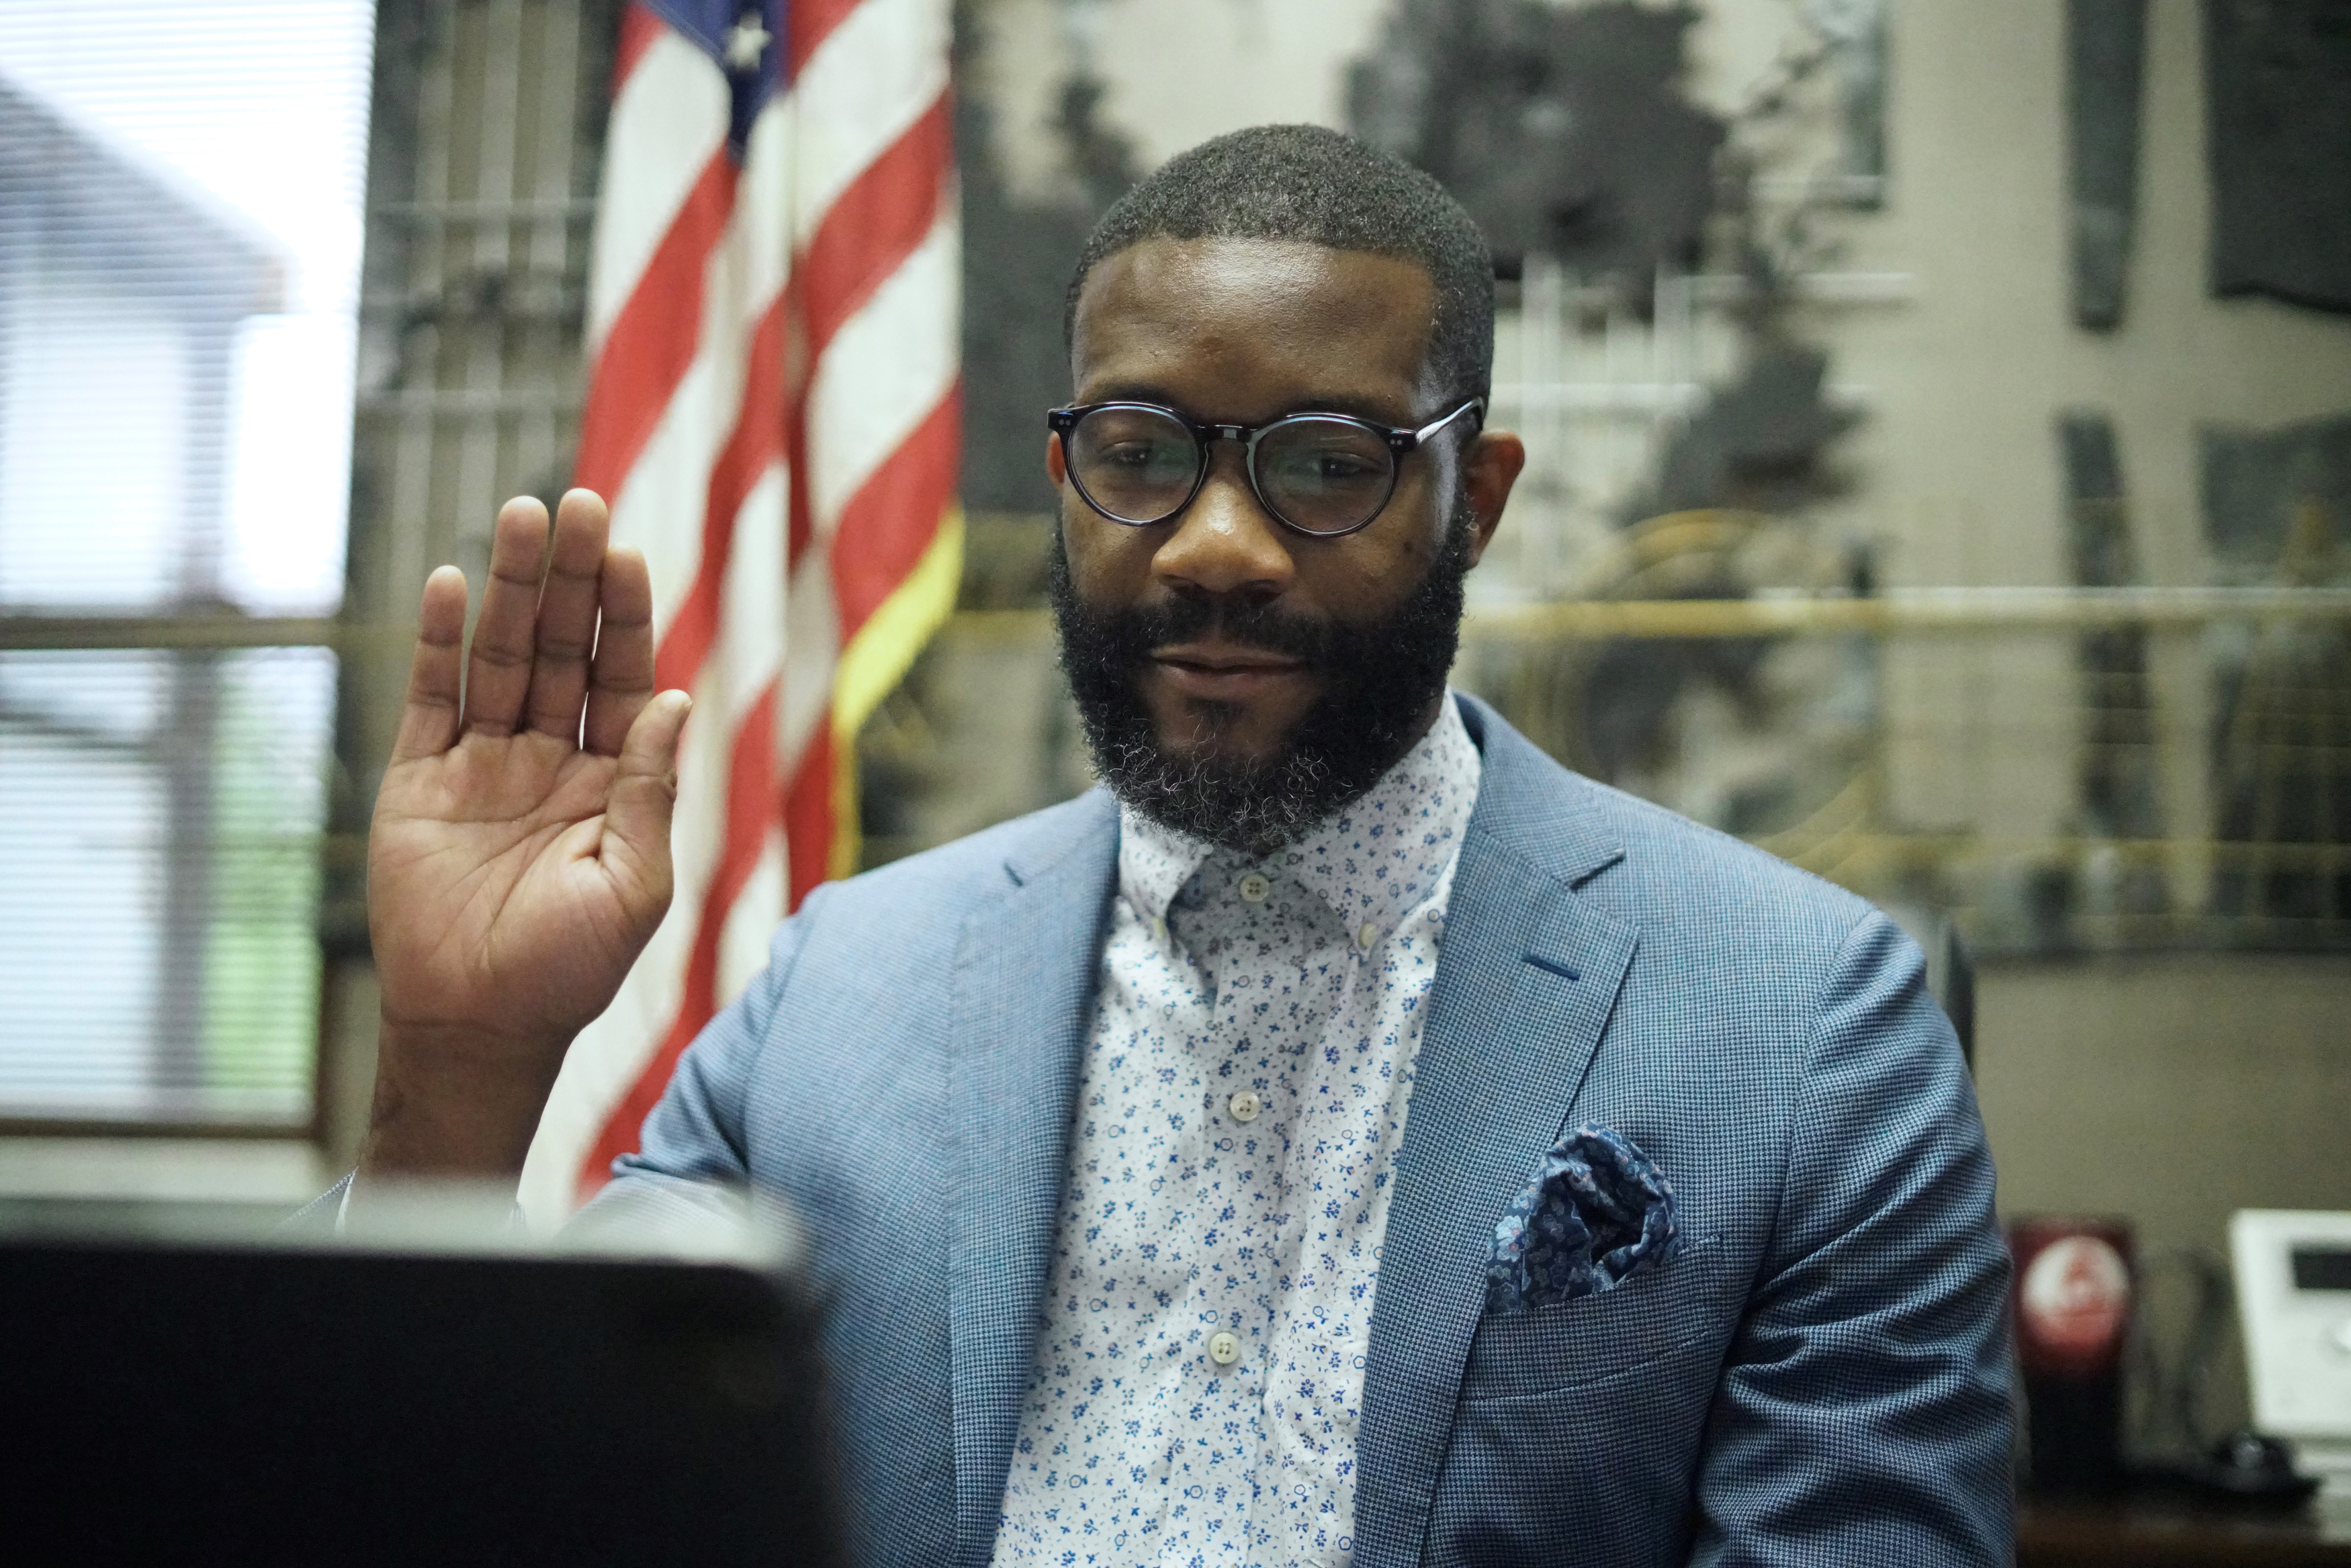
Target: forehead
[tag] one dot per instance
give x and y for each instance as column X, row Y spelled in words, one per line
column 1243, row 329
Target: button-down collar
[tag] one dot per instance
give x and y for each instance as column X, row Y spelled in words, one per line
column 1370, row 864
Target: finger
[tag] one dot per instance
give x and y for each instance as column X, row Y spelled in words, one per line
column 644, row 791
column 567, row 617
column 428, row 720
column 498, row 672
column 624, row 681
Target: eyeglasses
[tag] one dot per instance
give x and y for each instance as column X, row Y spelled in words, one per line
column 1323, row 474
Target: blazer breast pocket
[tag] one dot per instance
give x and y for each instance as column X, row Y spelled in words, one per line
column 1590, row 1337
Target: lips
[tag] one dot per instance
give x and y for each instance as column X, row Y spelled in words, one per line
column 1224, row 671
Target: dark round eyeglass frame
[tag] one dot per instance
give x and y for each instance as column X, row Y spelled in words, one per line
column 1204, row 433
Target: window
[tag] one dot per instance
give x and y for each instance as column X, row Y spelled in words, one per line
column 180, row 189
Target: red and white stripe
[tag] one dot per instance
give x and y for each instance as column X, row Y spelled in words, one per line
column 773, row 412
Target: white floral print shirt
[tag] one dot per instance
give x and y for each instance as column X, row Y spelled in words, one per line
column 1200, row 1370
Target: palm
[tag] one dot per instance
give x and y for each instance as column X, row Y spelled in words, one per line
column 484, row 861
column 519, row 857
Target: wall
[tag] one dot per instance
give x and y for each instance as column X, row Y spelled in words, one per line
column 1174, row 72
column 2170, row 1090
column 2174, row 1089
column 1957, row 463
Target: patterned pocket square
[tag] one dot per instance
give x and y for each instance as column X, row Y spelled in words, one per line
column 1598, row 1211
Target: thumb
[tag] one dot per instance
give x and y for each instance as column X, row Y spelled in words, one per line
column 644, row 791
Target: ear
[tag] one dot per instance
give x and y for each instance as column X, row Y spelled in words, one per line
column 1057, row 467
column 1488, row 469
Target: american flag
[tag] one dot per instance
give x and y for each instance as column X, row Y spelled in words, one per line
column 773, row 412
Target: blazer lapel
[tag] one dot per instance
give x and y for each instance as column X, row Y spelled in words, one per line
column 1529, row 976
column 1023, row 982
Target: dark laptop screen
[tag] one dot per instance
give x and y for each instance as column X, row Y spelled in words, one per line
column 199, row 1403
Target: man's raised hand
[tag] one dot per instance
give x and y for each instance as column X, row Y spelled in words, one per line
column 519, row 857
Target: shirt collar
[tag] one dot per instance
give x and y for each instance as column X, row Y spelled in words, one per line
column 1374, row 862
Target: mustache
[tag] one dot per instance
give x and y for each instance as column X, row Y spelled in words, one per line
column 1132, row 634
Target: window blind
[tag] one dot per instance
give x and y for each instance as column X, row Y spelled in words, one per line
column 181, row 189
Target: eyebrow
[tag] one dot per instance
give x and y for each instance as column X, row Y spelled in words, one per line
column 1314, row 403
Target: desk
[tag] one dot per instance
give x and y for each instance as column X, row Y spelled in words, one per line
column 2168, row 1533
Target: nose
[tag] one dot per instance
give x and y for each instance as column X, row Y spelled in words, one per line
column 1224, row 541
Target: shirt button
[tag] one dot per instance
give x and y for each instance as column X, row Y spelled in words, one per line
column 1367, row 936
column 1224, row 1349
column 1254, row 888
column 1245, row 1106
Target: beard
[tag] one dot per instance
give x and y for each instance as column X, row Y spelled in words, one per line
column 1377, row 684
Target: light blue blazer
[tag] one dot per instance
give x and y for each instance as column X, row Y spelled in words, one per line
column 1819, row 1378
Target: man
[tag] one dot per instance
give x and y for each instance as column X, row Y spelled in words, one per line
column 1347, row 1136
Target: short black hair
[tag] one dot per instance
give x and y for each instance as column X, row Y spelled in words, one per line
column 1311, row 183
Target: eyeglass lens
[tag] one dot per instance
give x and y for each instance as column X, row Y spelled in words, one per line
column 1319, row 474
column 1136, row 465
